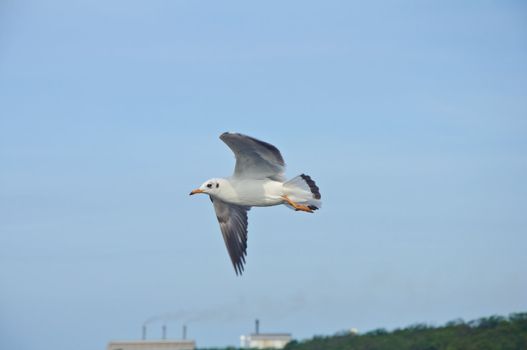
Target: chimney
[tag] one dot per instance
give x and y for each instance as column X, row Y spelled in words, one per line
column 144, row 332
column 164, row 331
column 184, row 336
column 257, row 326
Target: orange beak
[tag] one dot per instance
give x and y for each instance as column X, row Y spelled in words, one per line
column 196, row 191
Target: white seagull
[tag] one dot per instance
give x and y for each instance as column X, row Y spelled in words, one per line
column 258, row 181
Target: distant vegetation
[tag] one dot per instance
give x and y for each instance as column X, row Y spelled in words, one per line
column 490, row 333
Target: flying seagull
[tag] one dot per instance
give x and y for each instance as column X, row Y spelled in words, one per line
column 258, row 181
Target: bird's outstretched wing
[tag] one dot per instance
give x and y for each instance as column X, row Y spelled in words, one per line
column 233, row 224
column 255, row 159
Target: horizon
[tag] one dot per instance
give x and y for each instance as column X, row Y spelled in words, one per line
column 350, row 331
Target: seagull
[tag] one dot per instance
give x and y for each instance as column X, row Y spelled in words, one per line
column 258, row 181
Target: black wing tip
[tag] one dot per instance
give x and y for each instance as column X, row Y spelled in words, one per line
column 239, row 266
column 238, row 270
column 312, row 186
column 239, row 263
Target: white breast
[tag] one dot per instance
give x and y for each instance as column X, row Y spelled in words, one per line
column 254, row 193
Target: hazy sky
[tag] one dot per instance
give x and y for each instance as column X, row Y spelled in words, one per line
column 411, row 116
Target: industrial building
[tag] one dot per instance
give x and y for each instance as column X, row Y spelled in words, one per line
column 254, row 340
column 264, row 340
column 156, row 344
column 152, row 345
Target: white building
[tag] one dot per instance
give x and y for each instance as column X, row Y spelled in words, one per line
column 152, row 345
column 265, row 340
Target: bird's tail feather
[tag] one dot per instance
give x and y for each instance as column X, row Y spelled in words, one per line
column 303, row 190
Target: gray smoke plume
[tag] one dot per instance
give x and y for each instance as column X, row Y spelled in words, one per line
column 239, row 310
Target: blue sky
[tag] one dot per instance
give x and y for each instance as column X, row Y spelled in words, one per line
column 410, row 116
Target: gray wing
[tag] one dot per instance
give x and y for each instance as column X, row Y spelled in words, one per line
column 233, row 225
column 255, row 159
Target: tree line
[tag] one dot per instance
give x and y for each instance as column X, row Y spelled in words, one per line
column 487, row 333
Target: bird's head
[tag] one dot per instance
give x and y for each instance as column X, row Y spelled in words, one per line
column 210, row 187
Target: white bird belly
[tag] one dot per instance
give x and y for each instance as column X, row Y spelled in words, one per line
column 255, row 193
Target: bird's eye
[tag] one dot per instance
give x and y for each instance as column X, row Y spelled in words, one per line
column 217, row 185
column 209, row 185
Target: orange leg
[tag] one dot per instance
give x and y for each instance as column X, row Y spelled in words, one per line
column 298, row 207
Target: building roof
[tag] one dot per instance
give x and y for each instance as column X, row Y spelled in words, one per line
column 168, row 344
column 269, row 335
column 153, row 341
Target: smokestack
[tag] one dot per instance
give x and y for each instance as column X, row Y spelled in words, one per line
column 184, row 332
column 257, row 326
column 164, row 331
column 144, row 332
